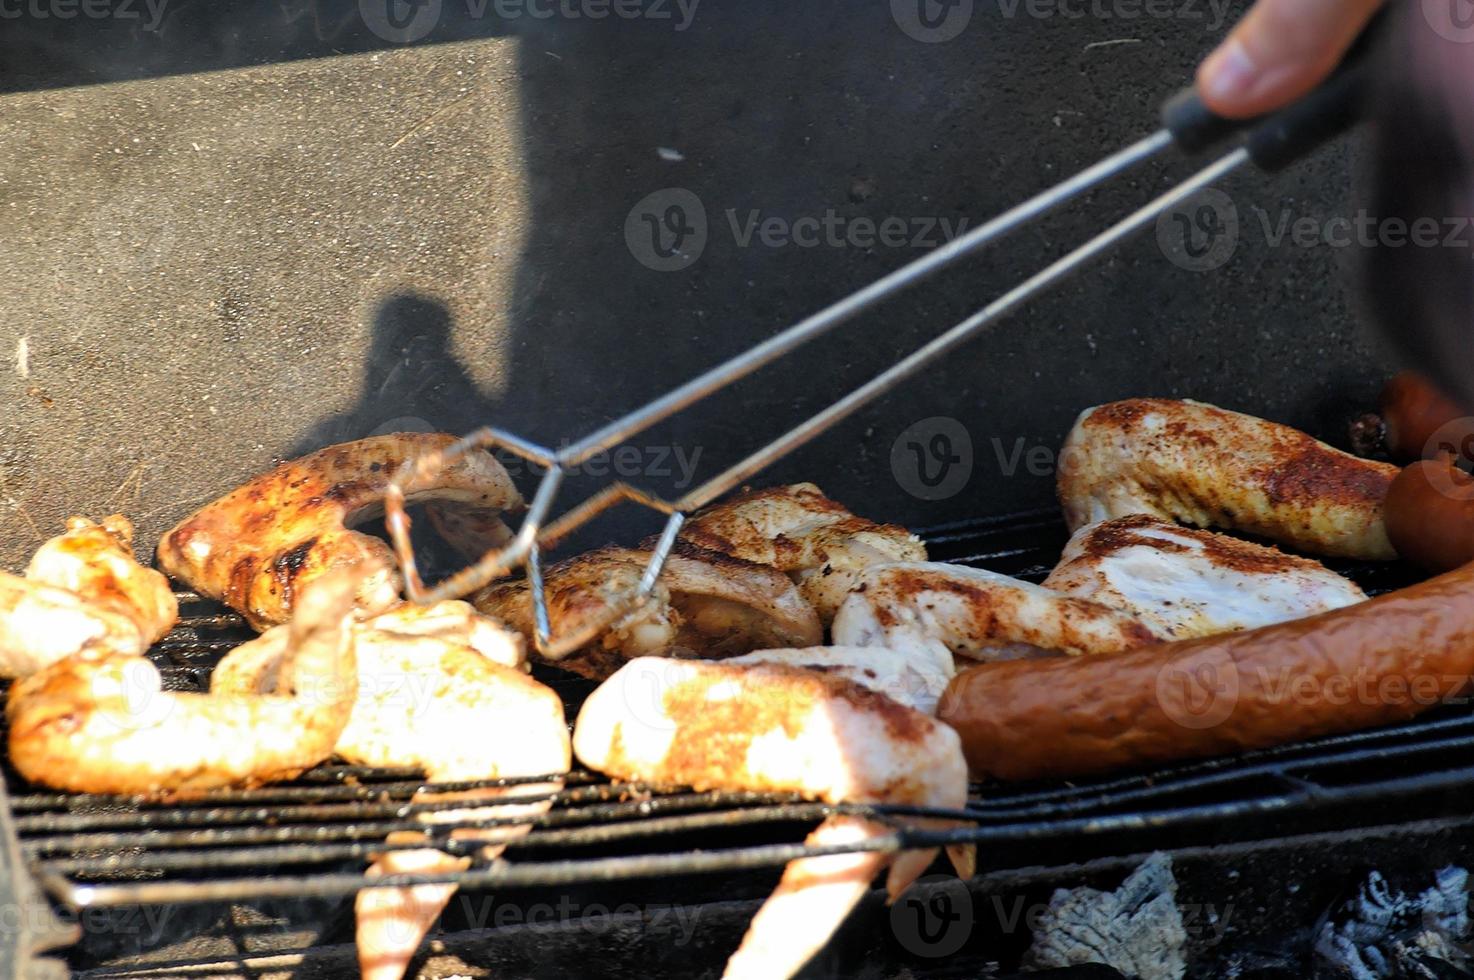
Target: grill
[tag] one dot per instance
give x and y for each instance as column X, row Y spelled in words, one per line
column 311, row 838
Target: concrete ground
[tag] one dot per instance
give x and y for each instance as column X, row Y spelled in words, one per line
column 260, row 228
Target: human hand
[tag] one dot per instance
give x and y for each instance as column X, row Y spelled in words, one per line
column 1280, row 50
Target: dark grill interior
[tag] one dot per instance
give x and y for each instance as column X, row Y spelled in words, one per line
column 313, row 837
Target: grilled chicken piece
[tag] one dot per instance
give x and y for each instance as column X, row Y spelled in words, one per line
column 768, row 727
column 99, row 721
column 82, row 589
column 96, row 562
column 442, row 690
column 979, row 614
column 915, row 677
column 1204, row 466
column 798, row 530
column 705, row 605
column 1184, row 582
column 257, row 547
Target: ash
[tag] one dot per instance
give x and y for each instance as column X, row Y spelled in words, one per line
column 1390, row 935
column 1137, row 928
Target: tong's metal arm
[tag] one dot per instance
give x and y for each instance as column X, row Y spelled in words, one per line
column 534, row 535
column 1270, row 143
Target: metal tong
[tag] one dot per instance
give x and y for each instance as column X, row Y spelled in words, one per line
column 1270, row 143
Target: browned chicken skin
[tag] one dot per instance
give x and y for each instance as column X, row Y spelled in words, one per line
column 100, row 722
column 256, row 547
column 83, row 589
column 772, row 727
column 1209, row 467
column 705, row 605
column 798, row 530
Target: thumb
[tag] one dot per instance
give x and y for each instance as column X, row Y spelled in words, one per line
column 1280, row 50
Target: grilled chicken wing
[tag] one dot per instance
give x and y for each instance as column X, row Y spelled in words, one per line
column 99, row 721
column 979, row 614
column 798, row 530
column 82, row 589
column 440, row 689
column 1201, row 465
column 1184, row 582
column 706, row 605
column 784, row 729
column 257, row 547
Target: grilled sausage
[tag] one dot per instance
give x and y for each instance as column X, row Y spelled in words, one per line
column 1430, row 514
column 1381, row 661
column 1420, row 420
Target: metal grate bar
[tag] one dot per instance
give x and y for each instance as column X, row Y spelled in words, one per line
column 313, row 836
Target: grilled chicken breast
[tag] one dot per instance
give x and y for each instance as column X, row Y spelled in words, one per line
column 1208, row 467
column 1184, row 582
column 784, row 729
column 979, row 614
column 255, row 548
column 100, row 722
column 915, row 677
column 705, row 605
column 82, row 589
column 798, row 530
column 442, row 690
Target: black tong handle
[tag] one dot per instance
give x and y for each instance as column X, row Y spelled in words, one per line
column 1280, row 138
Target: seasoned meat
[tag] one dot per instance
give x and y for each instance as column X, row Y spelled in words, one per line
column 798, row 530
column 979, row 614
column 440, row 689
column 100, row 722
column 769, row 727
column 82, row 589
column 915, row 677
column 705, row 605
column 1204, row 466
column 1183, row 582
column 256, row 547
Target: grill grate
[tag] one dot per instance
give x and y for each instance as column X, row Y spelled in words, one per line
column 313, row 837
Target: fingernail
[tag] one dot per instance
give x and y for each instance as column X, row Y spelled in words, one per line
column 1230, row 72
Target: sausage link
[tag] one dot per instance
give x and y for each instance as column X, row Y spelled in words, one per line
column 1430, row 514
column 1420, row 419
column 1374, row 663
